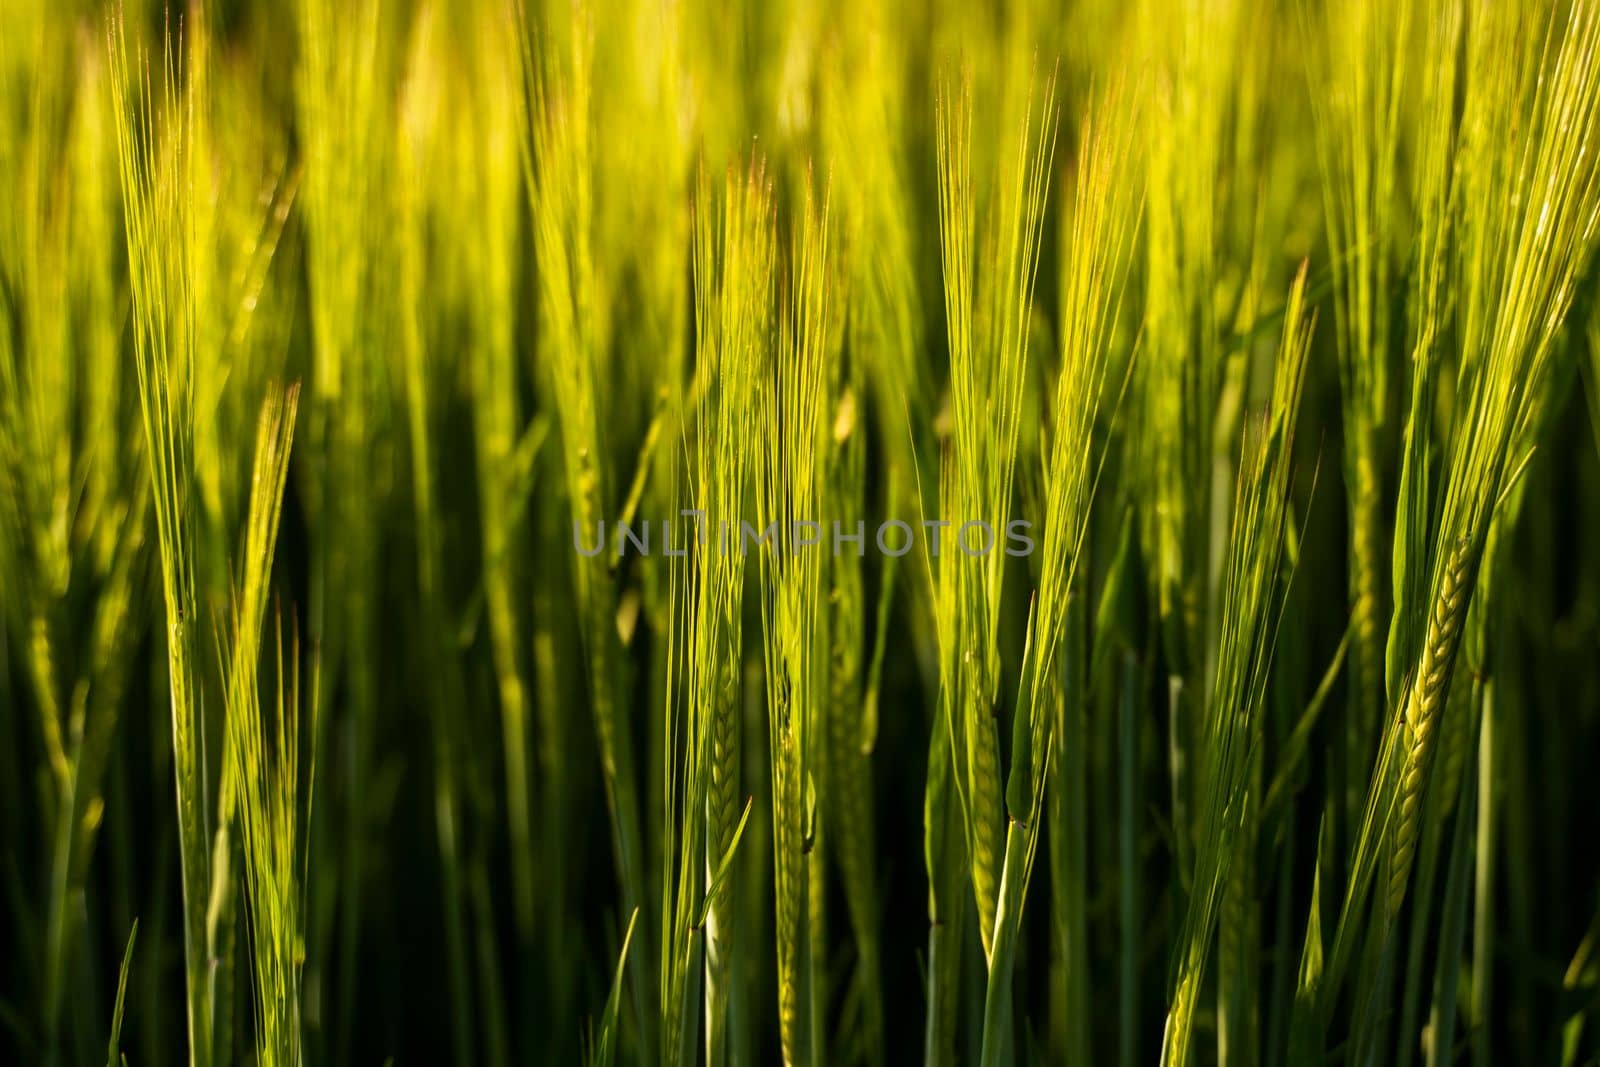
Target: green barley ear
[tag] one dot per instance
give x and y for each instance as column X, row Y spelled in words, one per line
column 155, row 132
column 795, row 417
column 197, row 265
column 272, row 796
column 734, row 258
column 1420, row 718
column 1098, row 231
column 988, row 291
column 1252, row 603
column 1526, row 206
column 1521, row 269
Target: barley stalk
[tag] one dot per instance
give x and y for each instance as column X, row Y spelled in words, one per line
column 1421, row 718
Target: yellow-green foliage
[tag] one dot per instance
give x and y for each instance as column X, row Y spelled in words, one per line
column 787, row 532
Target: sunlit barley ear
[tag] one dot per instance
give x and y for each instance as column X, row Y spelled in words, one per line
column 706, row 808
column 1252, row 604
column 792, row 390
column 990, row 238
column 156, row 131
column 272, row 795
column 1099, row 220
column 1524, row 211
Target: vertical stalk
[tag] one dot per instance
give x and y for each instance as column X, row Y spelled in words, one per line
column 1483, row 896
column 1128, row 860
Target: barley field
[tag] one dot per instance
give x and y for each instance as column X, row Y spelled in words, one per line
column 806, row 532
